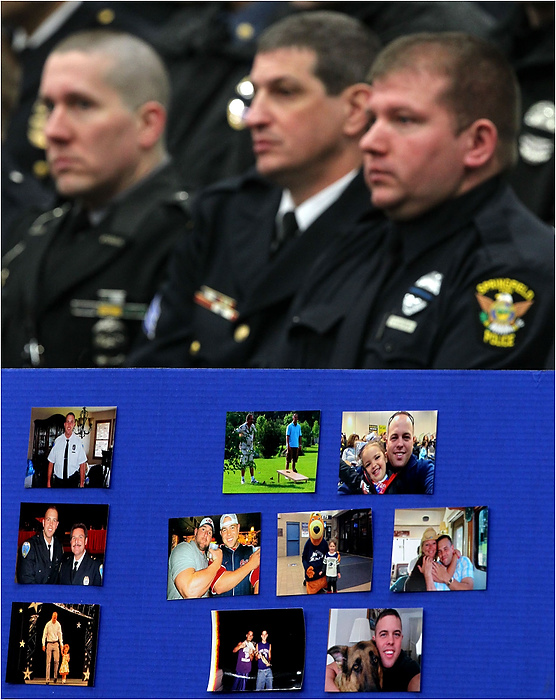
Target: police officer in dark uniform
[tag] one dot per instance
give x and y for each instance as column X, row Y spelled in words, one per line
column 40, row 557
column 80, row 568
column 463, row 274
column 35, row 29
column 526, row 36
column 209, row 49
column 78, row 281
column 254, row 238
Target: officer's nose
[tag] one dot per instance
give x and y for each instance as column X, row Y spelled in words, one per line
column 257, row 114
column 374, row 139
column 57, row 127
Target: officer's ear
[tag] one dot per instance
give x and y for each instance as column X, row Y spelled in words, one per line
column 151, row 118
column 355, row 99
column 480, row 141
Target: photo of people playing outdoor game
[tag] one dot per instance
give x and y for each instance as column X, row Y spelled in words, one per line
column 271, row 452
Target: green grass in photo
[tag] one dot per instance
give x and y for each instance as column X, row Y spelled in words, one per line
column 267, row 476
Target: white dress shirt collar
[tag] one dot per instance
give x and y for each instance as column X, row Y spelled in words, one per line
column 310, row 210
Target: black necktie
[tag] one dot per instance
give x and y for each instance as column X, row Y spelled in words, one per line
column 66, row 459
column 73, row 571
column 287, row 229
column 289, row 226
column 78, row 221
column 49, row 552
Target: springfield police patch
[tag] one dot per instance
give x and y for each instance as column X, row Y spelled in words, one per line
column 25, row 548
column 503, row 303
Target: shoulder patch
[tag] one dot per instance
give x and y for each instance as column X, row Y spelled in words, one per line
column 25, row 549
column 503, row 303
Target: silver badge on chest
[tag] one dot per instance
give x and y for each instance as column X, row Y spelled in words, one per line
column 421, row 293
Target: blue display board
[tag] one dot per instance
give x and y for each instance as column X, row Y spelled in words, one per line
column 495, row 447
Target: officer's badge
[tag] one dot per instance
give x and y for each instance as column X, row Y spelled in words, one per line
column 421, row 293
column 25, row 549
column 85, row 580
column 503, row 303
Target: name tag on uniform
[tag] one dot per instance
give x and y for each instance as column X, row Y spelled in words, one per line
column 398, row 323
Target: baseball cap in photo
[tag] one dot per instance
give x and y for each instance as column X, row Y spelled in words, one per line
column 207, row 521
column 233, row 519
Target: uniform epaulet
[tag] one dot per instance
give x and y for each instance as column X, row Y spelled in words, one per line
column 232, row 184
column 37, row 228
column 181, row 199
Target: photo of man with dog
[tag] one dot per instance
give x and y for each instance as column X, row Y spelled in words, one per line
column 370, row 652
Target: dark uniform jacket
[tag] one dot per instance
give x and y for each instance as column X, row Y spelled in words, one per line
column 206, row 63
column 35, row 565
column 53, row 276
column 88, row 574
column 469, row 285
column 530, row 50
column 390, row 20
column 227, row 296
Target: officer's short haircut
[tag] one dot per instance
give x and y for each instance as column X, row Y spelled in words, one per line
column 386, row 613
column 444, row 537
column 79, row 526
column 400, row 413
column 482, row 83
column 345, row 48
column 138, row 73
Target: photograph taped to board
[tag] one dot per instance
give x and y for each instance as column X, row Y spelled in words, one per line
column 439, row 549
column 63, row 543
column 387, row 452
column 374, row 650
column 330, row 551
column 53, row 643
column 271, row 452
column 214, row 555
column 257, row 650
column 70, row 447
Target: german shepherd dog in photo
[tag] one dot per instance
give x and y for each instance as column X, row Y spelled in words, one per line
column 360, row 669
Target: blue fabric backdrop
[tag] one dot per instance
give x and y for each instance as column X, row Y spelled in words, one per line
column 495, row 447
